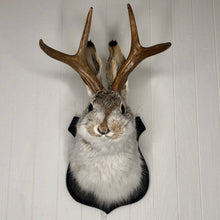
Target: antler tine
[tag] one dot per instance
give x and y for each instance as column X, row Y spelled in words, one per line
column 136, row 55
column 85, row 35
column 134, row 32
column 78, row 61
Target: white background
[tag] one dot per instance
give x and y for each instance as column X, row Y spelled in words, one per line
column 176, row 93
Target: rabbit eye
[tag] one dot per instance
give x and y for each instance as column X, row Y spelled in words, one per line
column 90, row 108
column 122, row 109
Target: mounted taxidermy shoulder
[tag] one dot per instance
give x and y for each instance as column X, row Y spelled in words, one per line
column 106, row 167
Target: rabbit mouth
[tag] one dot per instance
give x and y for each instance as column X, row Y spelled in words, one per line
column 110, row 136
column 115, row 131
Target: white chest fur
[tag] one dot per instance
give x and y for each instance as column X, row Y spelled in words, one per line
column 111, row 172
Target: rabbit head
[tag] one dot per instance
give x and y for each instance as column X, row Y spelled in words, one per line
column 107, row 116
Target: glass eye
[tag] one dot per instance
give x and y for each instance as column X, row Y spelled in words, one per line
column 122, row 109
column 90, row 108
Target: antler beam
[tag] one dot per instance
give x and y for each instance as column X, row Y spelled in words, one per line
column 136, row 55
column 78, row 61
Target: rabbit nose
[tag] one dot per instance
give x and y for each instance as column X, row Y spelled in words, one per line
column 103, row 127
column 103, row 131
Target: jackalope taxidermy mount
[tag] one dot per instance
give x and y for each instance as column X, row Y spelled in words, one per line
column 106, row 168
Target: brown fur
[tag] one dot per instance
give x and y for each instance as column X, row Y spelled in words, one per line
column 117, row 129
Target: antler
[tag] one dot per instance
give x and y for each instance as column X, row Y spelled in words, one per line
column 136, row 55
column 78, row 61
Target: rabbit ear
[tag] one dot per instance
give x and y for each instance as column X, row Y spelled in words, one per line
column 114, row 63
column 93, row 61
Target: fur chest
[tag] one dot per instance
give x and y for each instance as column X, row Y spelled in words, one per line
column 110, row 177
column 107, row 176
